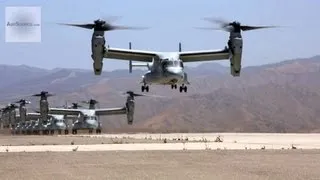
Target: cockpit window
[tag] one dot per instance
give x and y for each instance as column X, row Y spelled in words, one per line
column 171, row 63
column 90, row 117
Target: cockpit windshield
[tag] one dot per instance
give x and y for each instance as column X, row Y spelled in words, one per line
column 90, row 117
column 58, row 120
column 166, row 63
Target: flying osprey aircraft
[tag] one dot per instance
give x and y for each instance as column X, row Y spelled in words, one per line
column 166, row 68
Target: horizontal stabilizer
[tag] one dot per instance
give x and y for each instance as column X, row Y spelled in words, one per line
column 140, row 65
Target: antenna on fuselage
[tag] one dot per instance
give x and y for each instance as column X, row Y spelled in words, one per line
column 130, row 61
column 180, row 49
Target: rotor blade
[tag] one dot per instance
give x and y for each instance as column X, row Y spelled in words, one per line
column 208, row 28
column 111, row 19
column 220, row 21
column 156, row 96
column 248, row 28
column 127, row 28
column 134, row 94
column 86, row 26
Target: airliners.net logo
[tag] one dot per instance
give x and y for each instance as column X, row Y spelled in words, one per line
column 23, row 24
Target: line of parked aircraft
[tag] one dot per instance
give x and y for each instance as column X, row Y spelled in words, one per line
column 49, row 120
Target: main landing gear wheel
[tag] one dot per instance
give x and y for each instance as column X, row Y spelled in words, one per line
column 98, row 131
column 173, row 86
column 74, row 131
column 66, row 131
column 183, row 88
column 90, row 131
column 145, row 87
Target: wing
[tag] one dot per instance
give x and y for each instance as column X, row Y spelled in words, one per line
column 33, row 116
column 62, row 111
column 206, row 55
column 130, row 54
column 111, row 111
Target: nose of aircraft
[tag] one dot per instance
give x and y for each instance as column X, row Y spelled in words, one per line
column 92, row 123
column 175, row 71
column 61, row 124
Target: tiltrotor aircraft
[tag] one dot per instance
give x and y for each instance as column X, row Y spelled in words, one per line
column 166, row 68
column 54, row 122
column 47, row 122
column 9, row 116
column 88, row 118
column 22, row 117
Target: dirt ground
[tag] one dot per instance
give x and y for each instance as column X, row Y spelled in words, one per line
column 166, row 165
column 8, row 140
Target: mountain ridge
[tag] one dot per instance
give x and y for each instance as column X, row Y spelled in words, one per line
column 278, row 97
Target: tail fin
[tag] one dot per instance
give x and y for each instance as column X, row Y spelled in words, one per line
column 136, row 64
column 130, row 61
column 180, row 47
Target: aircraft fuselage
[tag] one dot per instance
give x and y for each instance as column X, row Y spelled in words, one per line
column 166, row 72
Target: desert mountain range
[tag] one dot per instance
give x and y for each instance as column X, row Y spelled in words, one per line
column 280, row 97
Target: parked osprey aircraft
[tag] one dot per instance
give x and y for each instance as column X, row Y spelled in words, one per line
column 21, row 118
column 8, row 115
column 88, row 118
column 54, row 122
column 166, row 68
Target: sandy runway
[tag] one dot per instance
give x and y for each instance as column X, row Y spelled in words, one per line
column 146, row 156
column 232, row 141
column 163, row 165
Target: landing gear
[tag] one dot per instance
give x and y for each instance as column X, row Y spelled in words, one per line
column 173, row 86
column 98, row 131
column 66, row 131
column 183, row 88
column 74, row 131
column 145, row 87
column 90, row 131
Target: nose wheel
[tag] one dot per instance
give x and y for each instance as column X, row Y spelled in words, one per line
column 173, row 86
column 183, row 88
column 145, row 88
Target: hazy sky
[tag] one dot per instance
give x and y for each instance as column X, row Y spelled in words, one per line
column 170, row 21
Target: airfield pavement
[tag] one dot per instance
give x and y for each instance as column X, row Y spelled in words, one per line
column 146, row 156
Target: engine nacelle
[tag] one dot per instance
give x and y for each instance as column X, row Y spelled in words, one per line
column 235, row 45
column 23, row 113
column 130, row 111
column 44, row 111
column 98, row 41
column 12, row 117
column 98, row 48
column 98, row 52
